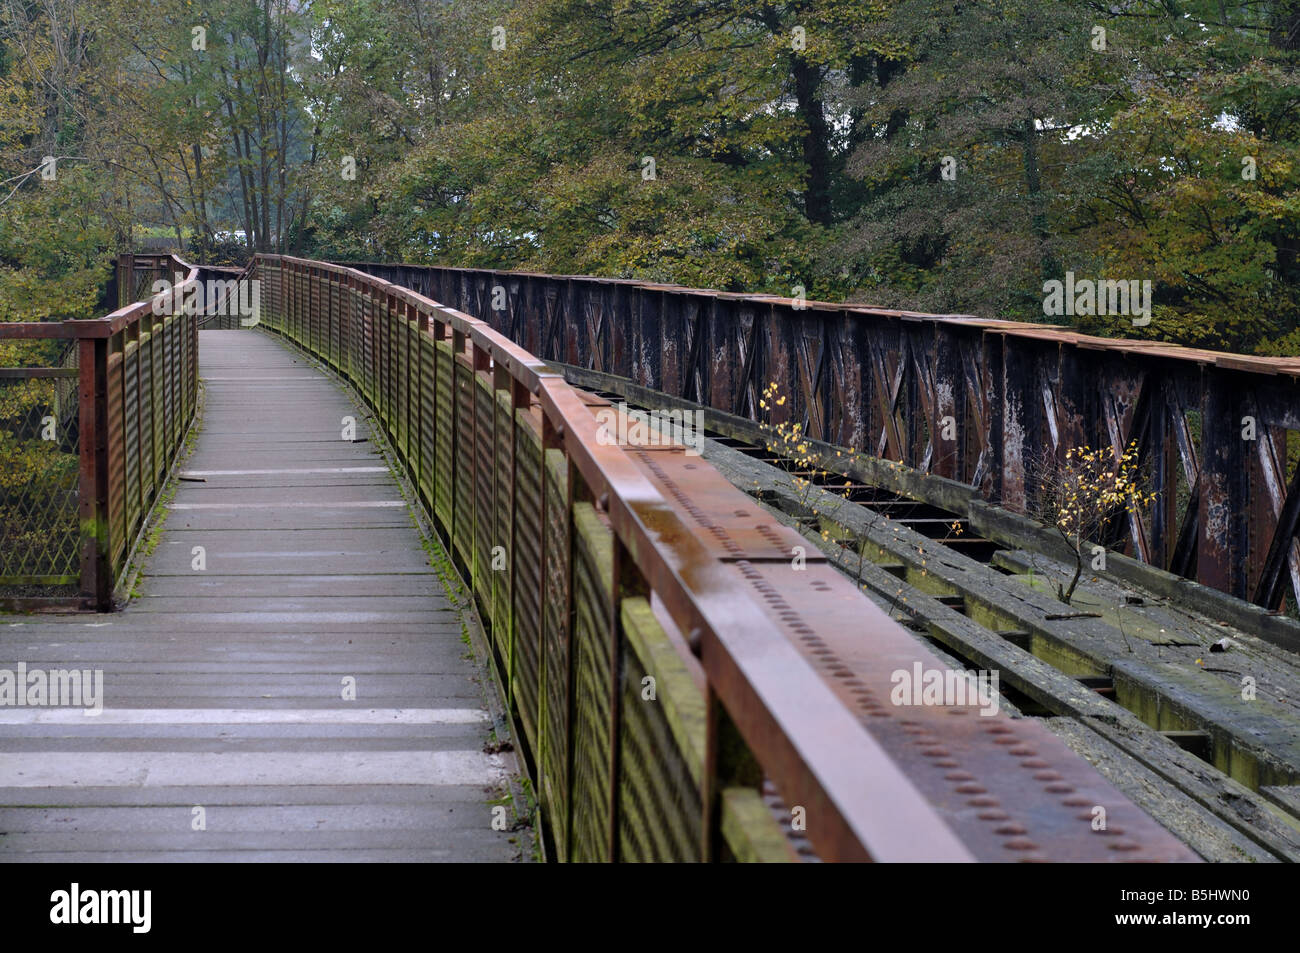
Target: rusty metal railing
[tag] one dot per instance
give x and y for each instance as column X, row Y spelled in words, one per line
column 664, row 656
column 973, row 400
column 66, row 532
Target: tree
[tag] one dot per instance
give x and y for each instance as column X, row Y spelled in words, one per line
column 1080, row 495
column 977, row 158
column 1205, row 197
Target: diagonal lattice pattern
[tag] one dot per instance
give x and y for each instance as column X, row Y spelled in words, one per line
column 39, row 539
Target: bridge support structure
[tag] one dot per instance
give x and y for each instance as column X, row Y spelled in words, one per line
column 973, row 400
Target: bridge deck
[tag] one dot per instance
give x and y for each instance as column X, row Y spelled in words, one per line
column 223, row 687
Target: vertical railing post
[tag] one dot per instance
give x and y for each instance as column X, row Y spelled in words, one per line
column 411, row 324
column 549, row 549
column 334, row 283
column 520, row 400
column 131, row 418
column 437, row 331
column 301, row 301
column 96, row 573
column 570, row 700
column 478, row 361
column 411, row 357
column 383, row 339
column 453, row 511
column 1223, row 546
column 626, row 582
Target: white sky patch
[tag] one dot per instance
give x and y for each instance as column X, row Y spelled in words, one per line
column 1227, row 123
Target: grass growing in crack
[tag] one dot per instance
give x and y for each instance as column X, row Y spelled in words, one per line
column 159, row 510
column 447, row 575
column 521, row 820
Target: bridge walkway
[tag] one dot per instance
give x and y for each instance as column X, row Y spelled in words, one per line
column 225, row 732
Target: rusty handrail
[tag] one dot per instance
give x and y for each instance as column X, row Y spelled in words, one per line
column 818, row 754
column 115, row 493
column 622, row 559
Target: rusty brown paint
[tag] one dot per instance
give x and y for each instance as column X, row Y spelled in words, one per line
column 683, row 537
column 881, row 379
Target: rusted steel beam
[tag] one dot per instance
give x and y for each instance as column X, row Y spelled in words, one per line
column 1221, row 549
column 1283, row 560
column 852, row 377
column 950, row 453
column 1021, row 423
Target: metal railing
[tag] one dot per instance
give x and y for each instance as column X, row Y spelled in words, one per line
column 595, row 571
column 77, row 486
column 976, row 401
column 663, row 655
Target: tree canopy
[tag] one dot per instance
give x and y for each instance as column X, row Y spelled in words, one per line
column 950, row 155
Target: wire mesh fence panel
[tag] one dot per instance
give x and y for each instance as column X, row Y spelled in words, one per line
column 39, row 531
column 92, row 414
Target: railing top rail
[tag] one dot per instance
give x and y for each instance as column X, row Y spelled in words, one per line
column 1047, row 333
column 816, row 751
column 31, row 373
column 109, row 324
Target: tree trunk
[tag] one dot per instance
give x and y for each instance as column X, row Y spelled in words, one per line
column 816, row 147
column 1034, row 188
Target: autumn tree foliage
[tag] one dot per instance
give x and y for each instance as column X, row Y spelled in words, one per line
column 950, row 155
column 1081, row 494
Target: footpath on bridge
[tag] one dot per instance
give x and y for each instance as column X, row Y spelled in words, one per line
column 225, row 732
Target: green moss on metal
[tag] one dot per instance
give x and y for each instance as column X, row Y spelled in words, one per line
column 750, row 831
column 593, row 555
column 677, row 693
